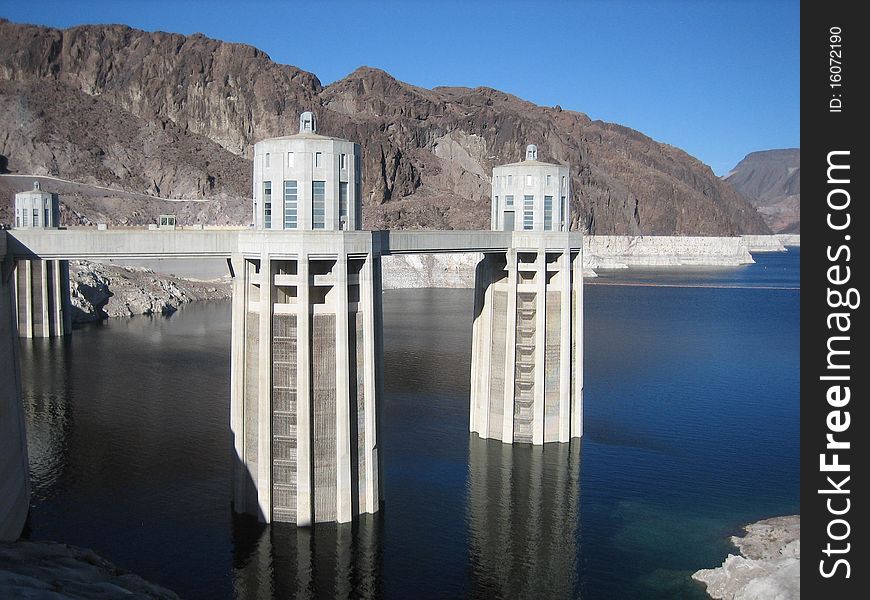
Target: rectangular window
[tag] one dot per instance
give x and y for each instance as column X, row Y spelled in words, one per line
column 530, row 180
column 24, row 213
column 290, row 205
column 548, row 213
column 549, row 180
column 342, row 204
column 45, row 220
column 342, row 161
column 18, row 219
column 267, row 204
column 267, row 161
column 36, row 217
column 497, row 213
column 564, row 213
column 291, row 159
column 508, row 201
column 510, row 180
column 318, row 204
column 318, row 159
column 528, row 212
column 563, row 184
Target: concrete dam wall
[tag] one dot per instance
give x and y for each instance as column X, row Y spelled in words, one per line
column 14, row 475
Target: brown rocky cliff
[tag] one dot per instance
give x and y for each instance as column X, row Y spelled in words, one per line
column 428, row 154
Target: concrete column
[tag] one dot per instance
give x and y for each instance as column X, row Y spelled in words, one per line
column 66, row 306
column 577, row 358
column 476, row 345
column 342, row 393
column 304, row 470
column 45, row 293
column 237, row 378
column 16, row 268
column 264, row 400
column 565, row 321
column 58, row 293
column 510, row 355
column 540, row 347
column 370, row 299
column 28, row 298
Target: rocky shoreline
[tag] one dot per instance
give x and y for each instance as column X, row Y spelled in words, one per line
column 62, row 572
column 768, row 565
column 99, row 291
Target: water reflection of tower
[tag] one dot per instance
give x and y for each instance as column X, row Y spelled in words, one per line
column 524, row 515
column 46, row 393
column 328, row 561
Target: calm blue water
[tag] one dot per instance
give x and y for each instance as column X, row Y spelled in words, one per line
column 691, row 430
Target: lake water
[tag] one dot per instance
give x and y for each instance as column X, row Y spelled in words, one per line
column 691, row 430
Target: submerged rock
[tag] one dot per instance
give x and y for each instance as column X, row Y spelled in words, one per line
column 63, row 572
column 768, row 567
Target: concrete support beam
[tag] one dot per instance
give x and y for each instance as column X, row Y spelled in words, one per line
column 540, row 346
column 577, row 357
column 566, row 320
column 510, row 351
column 239, row 272
column 370, row 299
column 342, row 393
column 304, row 458
column 264, row 413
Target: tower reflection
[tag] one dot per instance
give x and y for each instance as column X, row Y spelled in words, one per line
column 330, row 560
column 524, row 519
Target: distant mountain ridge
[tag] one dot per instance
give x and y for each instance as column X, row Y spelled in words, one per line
column 771, row 181
column 176, row 117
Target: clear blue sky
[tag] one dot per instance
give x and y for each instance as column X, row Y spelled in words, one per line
column 716, row 78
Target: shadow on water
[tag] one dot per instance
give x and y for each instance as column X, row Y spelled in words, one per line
column 523, row 519
column 328, row 560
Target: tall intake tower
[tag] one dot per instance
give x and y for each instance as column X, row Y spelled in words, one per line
column 41, row 286
column 306, row 340
column 527, row 376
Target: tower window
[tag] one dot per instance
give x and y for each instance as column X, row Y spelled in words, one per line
column 267, row 204
column 36, row 217
column 267, row 160
column 530, row 180
column 291, row 160
column 510, row 180
column 549, row 179
column 548, row 213
column 342, row 161
column 342, row 204
column 528, row 212
column 318, row 159
column 290, row 204
column 318, row 204
column 564, row 213
column 509, row 200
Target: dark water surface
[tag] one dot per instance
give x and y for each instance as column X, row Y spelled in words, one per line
column 691, row 430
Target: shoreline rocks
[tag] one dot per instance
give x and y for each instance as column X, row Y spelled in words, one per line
column 99, row 291
column 62, row 572
column 767, row 568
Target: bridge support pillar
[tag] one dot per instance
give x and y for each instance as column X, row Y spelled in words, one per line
column 41, row 298
column 306, row 380
column 527, row 371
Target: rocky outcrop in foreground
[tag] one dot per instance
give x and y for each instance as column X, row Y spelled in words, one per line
column 98, row 291
column 768, row 567
column 62, row 572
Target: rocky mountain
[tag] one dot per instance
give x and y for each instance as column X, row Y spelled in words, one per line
column 771, row 181
column 175, row 116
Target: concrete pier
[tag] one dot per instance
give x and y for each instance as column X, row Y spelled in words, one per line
column 527, row 371
column 527, row 378
column 41, row 298
column 306, row 350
